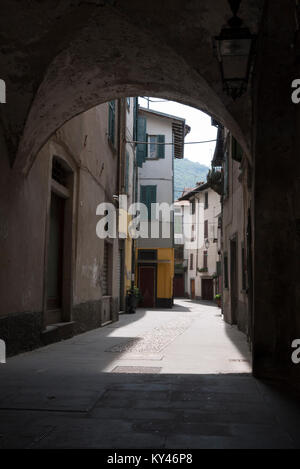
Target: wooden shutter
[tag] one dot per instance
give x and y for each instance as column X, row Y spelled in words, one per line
column 161, row 148
column 141, row 151
column 148, row 197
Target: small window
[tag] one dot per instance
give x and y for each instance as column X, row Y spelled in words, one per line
column 156, row 147
column 206, row 200
column 225, row 267
column 147, row 255
column 152, row 146
column 191, row 262
column 206, row 229
column 193, row 207
column 193, row 233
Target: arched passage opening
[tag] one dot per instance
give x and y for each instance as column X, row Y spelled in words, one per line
column 114, row 50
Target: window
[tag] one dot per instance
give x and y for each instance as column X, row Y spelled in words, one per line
column 111, row 121
column 206, row 200
column 193, row 233
column 193, row 207
column 191, row 261
column 205, row 259
column 148, row 197
column 147, row 255
column 156, row 147
column 206, row 229
column 243, row 260
column 178, row 221
column 225, row 267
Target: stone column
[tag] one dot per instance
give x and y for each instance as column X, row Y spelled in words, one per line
column 276, row 196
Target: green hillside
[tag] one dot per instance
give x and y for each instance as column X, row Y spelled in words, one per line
column 186, row 174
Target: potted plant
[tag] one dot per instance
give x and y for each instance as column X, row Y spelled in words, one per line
column 218, row 299
column 133, row 297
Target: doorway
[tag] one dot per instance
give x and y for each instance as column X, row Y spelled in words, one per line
column 233, row 280
column 178, row 287
column 147, row 282
column 207, row 288
column 192, row 284
column 59, row 245
column 55, row 258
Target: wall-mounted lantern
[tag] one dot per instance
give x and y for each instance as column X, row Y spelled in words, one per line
column 234, row 47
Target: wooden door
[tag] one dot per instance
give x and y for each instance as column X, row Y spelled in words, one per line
column 178, row 286
column 233, row 281
column 207, row 289
column 55, row 253
column 147, row 279
column 192, row 288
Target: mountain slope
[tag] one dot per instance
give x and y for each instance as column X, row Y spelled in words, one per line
column 186, row 174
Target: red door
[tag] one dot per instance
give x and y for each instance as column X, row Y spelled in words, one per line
column 147, row 285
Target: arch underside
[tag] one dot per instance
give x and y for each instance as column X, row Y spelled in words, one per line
column 110, row 52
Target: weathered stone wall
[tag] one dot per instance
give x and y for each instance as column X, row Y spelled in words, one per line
column 24, row 202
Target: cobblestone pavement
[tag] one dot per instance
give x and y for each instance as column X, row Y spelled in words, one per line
column 157, row 379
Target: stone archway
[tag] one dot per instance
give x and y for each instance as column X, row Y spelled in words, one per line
column 80, row 55
column 63, row 58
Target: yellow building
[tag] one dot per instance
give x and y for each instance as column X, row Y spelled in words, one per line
column 162, row 137
column 154, row 276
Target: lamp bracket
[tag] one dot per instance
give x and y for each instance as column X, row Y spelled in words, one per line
column 234, row 5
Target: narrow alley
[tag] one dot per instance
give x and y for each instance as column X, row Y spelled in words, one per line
column 149, row 224
column 158, row 378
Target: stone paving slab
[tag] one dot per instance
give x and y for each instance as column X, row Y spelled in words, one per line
column 65, row 396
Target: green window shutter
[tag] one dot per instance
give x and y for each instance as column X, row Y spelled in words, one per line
column 161, row 148
column 126, row 172
column 148, row 197
column 111, row 121
column 141, row 150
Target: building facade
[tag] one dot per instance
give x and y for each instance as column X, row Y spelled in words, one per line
column 70, row 280
column 230, row 160
column 203, row 254
column 161, row 139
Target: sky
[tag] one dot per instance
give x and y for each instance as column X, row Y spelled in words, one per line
column 201, row 128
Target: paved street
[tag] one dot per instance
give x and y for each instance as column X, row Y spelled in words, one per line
column 157, row 379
